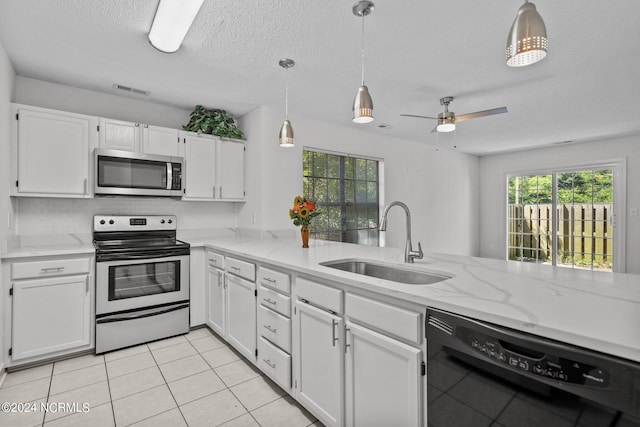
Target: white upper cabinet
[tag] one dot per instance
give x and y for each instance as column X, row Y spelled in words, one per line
column 51, row 153
column 214, row 168
column 160, row 140
column 119, row 135
column 231, row 170
column 130, row 136
column 199, row 170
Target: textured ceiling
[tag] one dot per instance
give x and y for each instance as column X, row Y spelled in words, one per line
column 417, row 51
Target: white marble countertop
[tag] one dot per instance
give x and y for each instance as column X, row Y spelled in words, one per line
column 594, row 310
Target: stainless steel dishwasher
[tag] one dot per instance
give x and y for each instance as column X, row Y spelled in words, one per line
column 480, row 374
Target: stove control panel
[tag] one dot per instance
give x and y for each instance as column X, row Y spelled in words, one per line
column 134, row 223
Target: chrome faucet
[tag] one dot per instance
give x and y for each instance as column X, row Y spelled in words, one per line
column 409, row 253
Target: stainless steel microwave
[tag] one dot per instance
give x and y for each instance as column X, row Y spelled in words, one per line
column 127, row 173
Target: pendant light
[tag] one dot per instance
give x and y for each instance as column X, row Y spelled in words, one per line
column 172, row 21
column 527, row 41
column 285, row 138
column 363, row 104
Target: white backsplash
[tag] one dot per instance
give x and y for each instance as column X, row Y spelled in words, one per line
column 51, row 216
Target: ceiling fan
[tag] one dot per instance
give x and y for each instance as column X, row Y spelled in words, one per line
column 447, row 120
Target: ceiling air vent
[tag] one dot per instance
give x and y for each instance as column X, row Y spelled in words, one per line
column 130, row 89
column 440, row 324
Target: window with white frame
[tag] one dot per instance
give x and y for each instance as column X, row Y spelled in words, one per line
column 346, row 190
column 566, row 217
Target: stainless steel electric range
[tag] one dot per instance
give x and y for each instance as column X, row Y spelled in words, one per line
column 142, row 280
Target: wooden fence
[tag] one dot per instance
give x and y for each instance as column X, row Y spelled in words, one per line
column 585, row 236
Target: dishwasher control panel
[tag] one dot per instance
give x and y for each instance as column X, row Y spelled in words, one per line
column 531, row 360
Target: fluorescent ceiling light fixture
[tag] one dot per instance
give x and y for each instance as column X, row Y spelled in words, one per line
column 171, row 23
column 527, row 40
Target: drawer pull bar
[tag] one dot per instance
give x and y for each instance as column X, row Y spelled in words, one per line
column 346, row 334
column 268, row 362
column 51, row 269
column 269, row 301
column 268, row 279
column 334, row 323
column 235, row 268
column 269, row 328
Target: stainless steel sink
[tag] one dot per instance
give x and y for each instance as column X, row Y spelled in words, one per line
column 394, row 273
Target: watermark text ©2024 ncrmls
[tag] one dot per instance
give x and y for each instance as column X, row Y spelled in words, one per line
column 52, row 407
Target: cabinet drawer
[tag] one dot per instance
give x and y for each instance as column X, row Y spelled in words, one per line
column 274, row 279
column 215, row 259
column 241, row 268
column 275, row 363
column 319, row 295
column 275, row 328
column 274, row 301
column 24, row 270
column 400, row 322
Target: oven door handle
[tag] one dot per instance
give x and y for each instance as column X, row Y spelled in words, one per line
column 127, row 256
column 150, row 313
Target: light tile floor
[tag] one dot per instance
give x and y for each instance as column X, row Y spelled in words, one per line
column 189, row 380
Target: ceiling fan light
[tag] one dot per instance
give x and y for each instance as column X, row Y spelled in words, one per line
column 446, row 125
column 363, row 106
column 172, row 21
column 285, row 138
column 527, row 40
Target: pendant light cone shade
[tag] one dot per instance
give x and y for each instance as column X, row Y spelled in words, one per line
column 285, row 138
column 363, row 106
column 171, row 23
column 527, row 41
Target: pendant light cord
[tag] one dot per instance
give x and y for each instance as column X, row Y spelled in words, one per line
column 363, row 15
column 286, row 93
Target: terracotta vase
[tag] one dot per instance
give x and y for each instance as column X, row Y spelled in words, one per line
column 304, row 232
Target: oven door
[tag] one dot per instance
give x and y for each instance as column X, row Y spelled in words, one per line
column 141, row 281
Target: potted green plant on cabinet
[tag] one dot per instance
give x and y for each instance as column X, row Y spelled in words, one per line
column 213, row 122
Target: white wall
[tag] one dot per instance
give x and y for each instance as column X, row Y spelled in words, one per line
column 440, row 187
column 493, row 171
column 55, row 216
column 7, row 78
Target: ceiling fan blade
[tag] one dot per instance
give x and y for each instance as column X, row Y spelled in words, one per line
column 481, row 114
column 419, row 117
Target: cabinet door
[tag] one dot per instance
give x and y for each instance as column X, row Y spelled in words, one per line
column 231, row 170
column 383, row 380
column 200, row 166
column 320, row 363
column 216, row 304
column 53, row 154
column 50, row 315
column 159, row 140
column 119, row 135
column 241, row 315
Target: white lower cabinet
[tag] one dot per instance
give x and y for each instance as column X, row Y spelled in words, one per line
column 320, row 363
column 49, row 311
column 216, row 300
column 241, row 315
column 383, row 380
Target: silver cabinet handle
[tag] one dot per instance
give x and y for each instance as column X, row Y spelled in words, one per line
column 268, row 362
column 334, row 323
column 219, row 279
column 234, row 268
column 85, row 186
column 52, row 270
column 269, row 328
column 268, row 279
column 226, row 281
column 346, row 345
column 86, row 282
column 269, row 301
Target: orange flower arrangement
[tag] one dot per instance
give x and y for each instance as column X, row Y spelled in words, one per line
column 303, row 211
